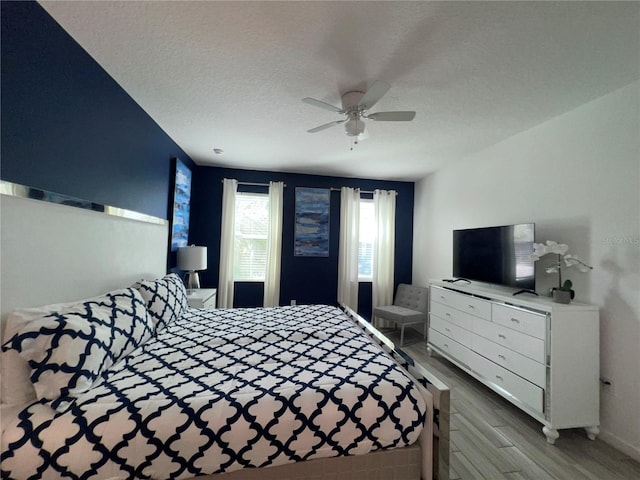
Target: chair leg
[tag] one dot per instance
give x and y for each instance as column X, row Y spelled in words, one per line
column 402, row 335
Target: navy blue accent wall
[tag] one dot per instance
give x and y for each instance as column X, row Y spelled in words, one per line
column 68, row 127
column 305, row 279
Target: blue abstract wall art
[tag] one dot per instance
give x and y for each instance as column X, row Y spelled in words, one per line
column 312, row 222
column 181, row 205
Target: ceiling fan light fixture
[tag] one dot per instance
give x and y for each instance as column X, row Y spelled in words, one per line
column 354, row 127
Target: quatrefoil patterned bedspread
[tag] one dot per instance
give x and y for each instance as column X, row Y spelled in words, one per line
column 221, row 390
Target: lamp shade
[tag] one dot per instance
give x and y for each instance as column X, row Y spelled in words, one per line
column 192, row 258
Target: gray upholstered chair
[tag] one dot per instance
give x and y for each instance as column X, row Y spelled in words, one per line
column 409, row 307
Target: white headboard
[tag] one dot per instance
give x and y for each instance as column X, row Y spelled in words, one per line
column 52, row 253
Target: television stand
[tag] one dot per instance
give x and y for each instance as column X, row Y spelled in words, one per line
column 525, row 290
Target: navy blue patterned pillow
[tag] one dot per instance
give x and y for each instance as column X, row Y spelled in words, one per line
column 166, row 299
column 69, row 349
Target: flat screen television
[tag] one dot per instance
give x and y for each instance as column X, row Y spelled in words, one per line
column 497, row 255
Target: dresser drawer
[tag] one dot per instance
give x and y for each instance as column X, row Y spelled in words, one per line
column 450, row 314
column 519, row 364
column 522, row 390
column 464, row 303
column 455, row 350
column 452, row 331
column 527, row 345
column 534, row 324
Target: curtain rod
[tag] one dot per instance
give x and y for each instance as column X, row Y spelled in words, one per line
column 335, row 189
column 254, row 184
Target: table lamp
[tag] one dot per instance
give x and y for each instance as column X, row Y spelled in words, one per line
column 192, row 259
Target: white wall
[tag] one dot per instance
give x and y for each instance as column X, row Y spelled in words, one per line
column 577, row 176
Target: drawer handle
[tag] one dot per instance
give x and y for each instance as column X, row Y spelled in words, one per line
column 442, row 297
column 499, row 378
column 471, row 306
column 502, row 357
column 446, row 345
column 515, row 320
column 447, row 314
column 500, row 335
column 447, row 329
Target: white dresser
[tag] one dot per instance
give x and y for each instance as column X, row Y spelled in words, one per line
column 202, row 298
column 542, row 356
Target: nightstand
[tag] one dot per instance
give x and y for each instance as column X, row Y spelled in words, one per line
column 202, row 298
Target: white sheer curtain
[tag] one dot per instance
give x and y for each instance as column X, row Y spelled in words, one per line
column 274, row 246
column 349, row 243
column 384, row 204
column 227, row 234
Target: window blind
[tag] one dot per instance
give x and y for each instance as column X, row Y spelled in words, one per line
column 250, row 241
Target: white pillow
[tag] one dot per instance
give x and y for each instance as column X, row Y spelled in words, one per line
column 166, row 299
column 17, row 388
column 68, row 348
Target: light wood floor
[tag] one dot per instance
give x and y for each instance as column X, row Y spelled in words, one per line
column 493, row 440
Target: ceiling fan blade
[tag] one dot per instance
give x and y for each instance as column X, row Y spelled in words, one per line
column 321, row 104
column 392, row 116
column 375, row 93
column 325, row 126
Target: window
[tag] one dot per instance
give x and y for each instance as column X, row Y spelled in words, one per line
column 250, row 240
column 367, row 237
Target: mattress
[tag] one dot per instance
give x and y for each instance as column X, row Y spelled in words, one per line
column 221, row 390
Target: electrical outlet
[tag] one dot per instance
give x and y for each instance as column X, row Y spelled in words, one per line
column 293, row 302
column 606, row 385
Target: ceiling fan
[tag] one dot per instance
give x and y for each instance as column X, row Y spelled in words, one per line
column 355, row 105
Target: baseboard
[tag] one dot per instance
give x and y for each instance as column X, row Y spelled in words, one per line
column 618, row 444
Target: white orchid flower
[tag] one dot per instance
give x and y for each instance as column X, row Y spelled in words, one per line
column 539, row 250
column 555, row 247
column 560, row 250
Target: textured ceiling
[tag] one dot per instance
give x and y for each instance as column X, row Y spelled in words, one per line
column 231, row 75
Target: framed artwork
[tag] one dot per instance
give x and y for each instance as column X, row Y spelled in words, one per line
column 311, row 237
column 181, row 205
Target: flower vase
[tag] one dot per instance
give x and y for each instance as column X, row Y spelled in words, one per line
column 561, row 296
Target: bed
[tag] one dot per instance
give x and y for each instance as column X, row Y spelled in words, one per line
column 228, row 394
